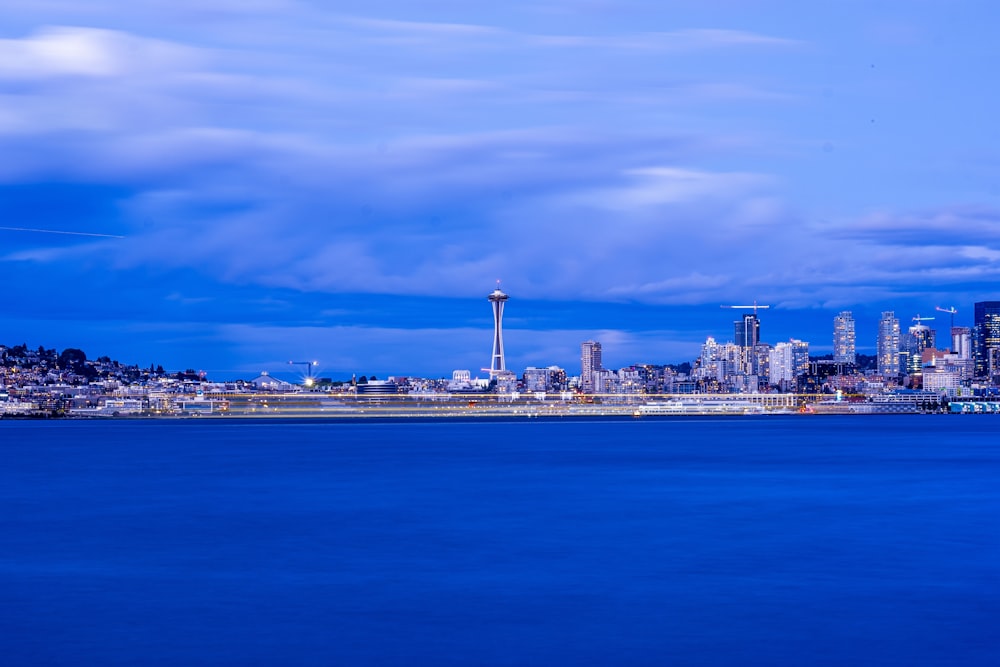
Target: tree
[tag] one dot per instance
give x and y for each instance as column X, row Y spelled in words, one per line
column 71, row 359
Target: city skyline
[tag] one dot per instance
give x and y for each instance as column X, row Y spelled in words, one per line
column 228, row 187
column 894, row 353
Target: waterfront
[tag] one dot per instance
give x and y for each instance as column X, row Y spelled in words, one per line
column 777, row 540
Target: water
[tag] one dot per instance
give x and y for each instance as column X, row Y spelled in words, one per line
column 691, row 541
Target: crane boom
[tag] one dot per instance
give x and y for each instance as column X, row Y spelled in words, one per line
column 754, row 307
column 951, row 311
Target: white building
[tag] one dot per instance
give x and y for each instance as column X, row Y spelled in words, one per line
column 506, row 383
column 605, row 381
column 709, row 366
column 942, row 379
column 888, row 345
column 544, row 379
column 961, row 342
column 590, row 363
column 843, row 338
column 630, row 381
column 782, row 365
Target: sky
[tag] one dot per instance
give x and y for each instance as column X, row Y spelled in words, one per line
column 228, row 186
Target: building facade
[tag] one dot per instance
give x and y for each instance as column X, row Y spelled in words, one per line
column 747, row 331
column 800, row 356
column 709, row 364
column 986, row 332
column 888, row 344
column 590, row 362
column 843, row 338
column 918, row 338
column 782, row 367
column 961, row 342
column 551, row 378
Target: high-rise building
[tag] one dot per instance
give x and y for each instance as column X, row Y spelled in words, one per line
column 709, row 365
column 747, row 338
column 747, row 331
column 732, row 363
column 590, row 362
column 789, row 361
column 961, row 342
column 782, row 366
column 888, row 344
column 986, row 332
column 761, row 360
column 843, row 338
column 497, row 300
column 918, row 338
column 800, row 356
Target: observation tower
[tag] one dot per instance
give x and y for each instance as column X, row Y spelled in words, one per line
column 497, row 298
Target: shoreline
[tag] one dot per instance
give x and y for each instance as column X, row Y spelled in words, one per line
column 482, row 415
column 349, row 408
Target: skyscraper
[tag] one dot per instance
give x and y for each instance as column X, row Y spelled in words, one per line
column 888, row 344
column 843, row 338
column 986, row 330
column 709, row 365
column 590, row 361
column 961, row 342
column 800, row 356
column 918, row 338
column 497, row 300
column 747, row 330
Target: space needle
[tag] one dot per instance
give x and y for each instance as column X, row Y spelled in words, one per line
column 497, row 298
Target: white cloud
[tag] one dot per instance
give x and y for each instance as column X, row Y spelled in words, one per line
column 956, row 224
column 991, row 255
column 83, row 52
column 679, row 40
column 60, row 52
column 478, row 36
column 658, row 186
column 721, row 37
column 436, row 30
column 379, row 170
column 693, row 284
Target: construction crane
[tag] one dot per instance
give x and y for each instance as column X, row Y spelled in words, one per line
column 309, row 381
column 755, row 306
column 920, row 320
column 951, row 311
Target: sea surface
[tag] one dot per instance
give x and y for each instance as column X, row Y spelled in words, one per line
column 798, row 540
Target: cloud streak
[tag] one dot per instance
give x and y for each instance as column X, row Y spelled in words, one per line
column 61, row 231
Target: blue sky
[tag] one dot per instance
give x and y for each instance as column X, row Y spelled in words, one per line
column 345, row 181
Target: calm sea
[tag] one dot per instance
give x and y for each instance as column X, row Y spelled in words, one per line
column 692, row 541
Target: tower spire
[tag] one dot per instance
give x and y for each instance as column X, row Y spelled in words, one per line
column 497, row 299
